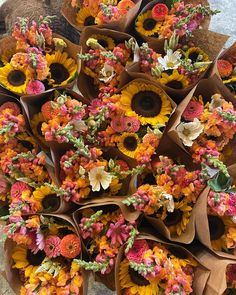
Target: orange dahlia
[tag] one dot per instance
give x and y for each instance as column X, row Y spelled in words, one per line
column 70, row 246
column 224, row 67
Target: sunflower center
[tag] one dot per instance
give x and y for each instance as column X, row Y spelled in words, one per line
column 146, row 104
column 103, row 43
column 130, row 143
column 175, row 84
column 178, row 252
column 193, row 56
column 16, row 78
column 137, row 279
column 89, row 21
column 149, row 24
column 1, row 64
column 59, row 72
column 35, row 259
column 27, row 144
column 173, row 218
column 216, row 227
column 39, row 130
column 51, row 201
column 65, row 231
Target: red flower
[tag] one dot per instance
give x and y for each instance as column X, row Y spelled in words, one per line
column 17, row 189
column 135, row 254
column 10, row 105
column 193, row 110
column 159, row 12
column 123, row 165
column 224, row 67
column 70, row 246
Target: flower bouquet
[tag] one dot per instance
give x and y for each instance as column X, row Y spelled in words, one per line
column 205, row 125
column 217, row 210
column 225, row 68
column 158, row 21
column 113, row 14
column 41, row 257
column 104, row 59
column 104, row 229
column 167, row 194
column 35, row 59
column 152, row 266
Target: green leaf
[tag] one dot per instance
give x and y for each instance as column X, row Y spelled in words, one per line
column 221, row 182
column 231, row 190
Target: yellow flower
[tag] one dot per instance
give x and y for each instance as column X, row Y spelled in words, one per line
column 175, row 80
column 128, row 144
column 105, row 41
column 196, row 54
column 6, row 56
column 85, row 17
column 36, row 125
column 46, row 198
column 14, row 79
column 27, row 142
column 146, row 25
column 62, row 68
column 129, row 279
column 147, row 102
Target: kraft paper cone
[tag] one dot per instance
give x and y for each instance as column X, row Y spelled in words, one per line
column 84, row 82
column 32, row 103
column 206, row 88
column 202, row 227
column 70, row 12
column 201, row 273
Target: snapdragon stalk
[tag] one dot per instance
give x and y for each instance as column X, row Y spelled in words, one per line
column 94, row 266
column 92, row 220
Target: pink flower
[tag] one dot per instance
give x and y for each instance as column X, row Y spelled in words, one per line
column 118, row 232
column 135, row 254
column 193, row 110
column 3, row 185
column 95, row 106
column 35, row 87
column 18, row 188
column 52, row 246
column 132, row 124
column 118, row 124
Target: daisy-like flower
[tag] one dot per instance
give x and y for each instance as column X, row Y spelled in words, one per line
column 52, row 246
column 193, row 110
column 35, row 87
column 70, row 246
column 107, row 73
column 118, row 124
column 188, row 132
column 118, row 232
column 171, row 60
column 132, row 124
column 99, row 177
column 135, row 254
column 18, row 188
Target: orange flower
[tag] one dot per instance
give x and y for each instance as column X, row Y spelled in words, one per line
column 224, row 67
column 70, row 246
column 124, row 6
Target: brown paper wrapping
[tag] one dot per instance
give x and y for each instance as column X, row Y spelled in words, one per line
column 72, row 49
column 85, row 83
column 202, row 227
column 206, row 88
column 70, row 12
column 209, row 42
column 12, row 275
column 201, row 272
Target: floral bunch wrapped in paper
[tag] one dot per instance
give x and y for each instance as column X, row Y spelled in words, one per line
column 137, row 117
column 104, row 234
column 45, row 247
column 38, row 60
column 206, row 128
column 105, row 61
column 171, row 196
column 159, row 21
column 150, row 268
column 180, row 67
column 100, row 12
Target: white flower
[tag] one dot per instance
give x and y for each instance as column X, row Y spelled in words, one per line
column 189, row 131
column 170, row 202
column 171, row 60
column 107, row 73
column 216, row 102
column 99, row 177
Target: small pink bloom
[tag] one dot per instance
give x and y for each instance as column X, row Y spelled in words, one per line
column 35, row 87
column 132, row 124
column 135, row 254
column 193, row 110
column 18, row 188
column 52, row 246
column 118, row 124
column 118, row 232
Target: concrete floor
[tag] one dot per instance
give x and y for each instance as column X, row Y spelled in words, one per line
column 224, row 23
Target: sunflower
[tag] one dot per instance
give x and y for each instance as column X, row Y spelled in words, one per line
column 129, row 279
column 46, row 198
column 178, row 220
column 6, row 56
column 175, row 80
column 219, row 230
column 147, row 102
column 36, row 124
column 25, row 259
column 128, row 144
column 196, row 54
column 27, row 141
column 14, row 79
column 146, row 25
column 105, row 41
column 62, row 68
column 85, row 17
column 180, row 258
